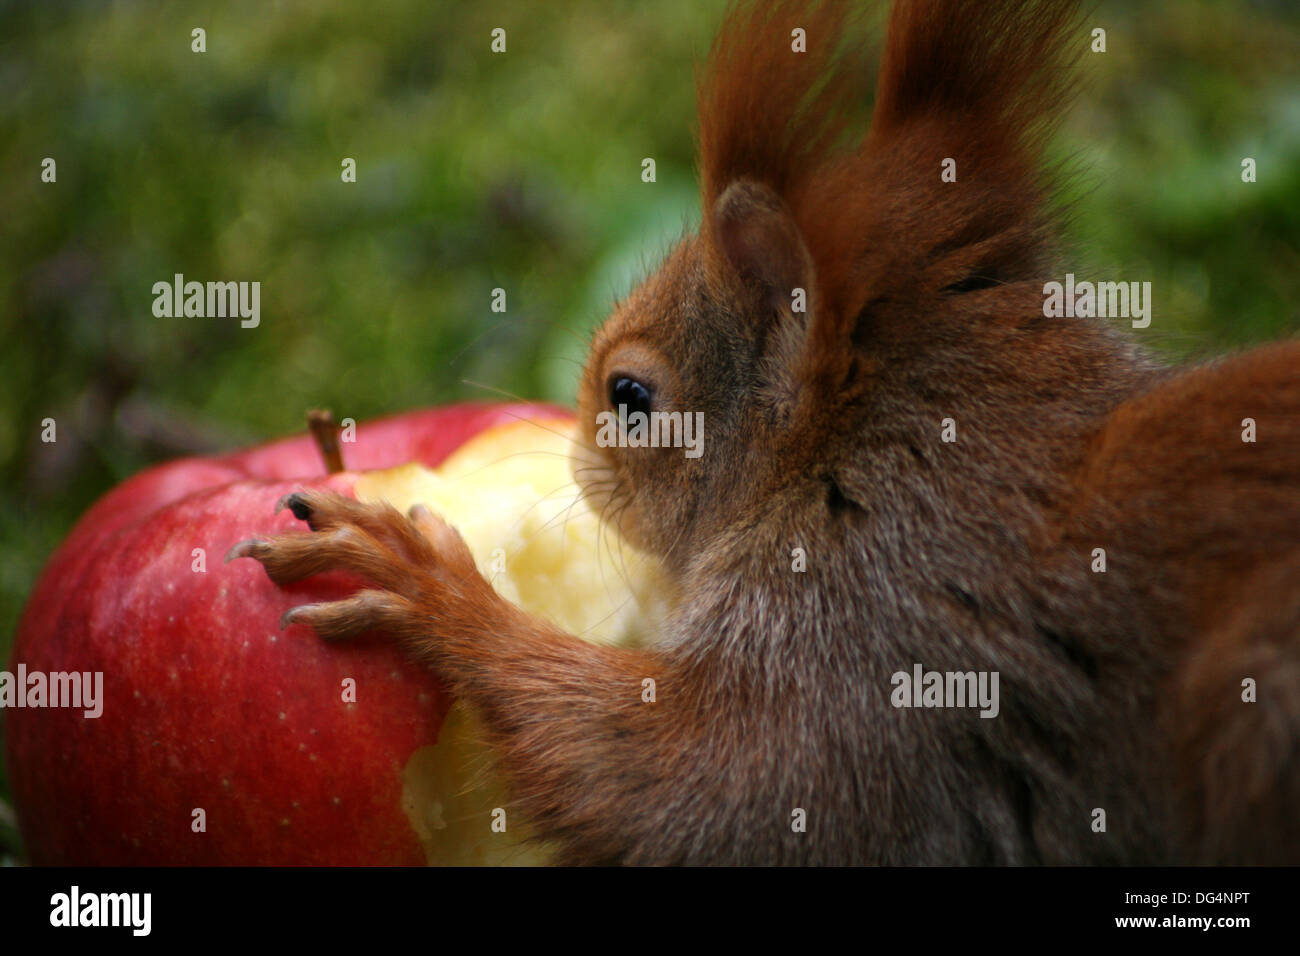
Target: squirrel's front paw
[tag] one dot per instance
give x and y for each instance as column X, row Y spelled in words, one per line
column 416, row 562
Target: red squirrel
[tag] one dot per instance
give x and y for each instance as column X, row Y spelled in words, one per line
column 950, row 462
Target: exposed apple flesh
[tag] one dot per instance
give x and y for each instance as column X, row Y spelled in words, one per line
column 510, row 493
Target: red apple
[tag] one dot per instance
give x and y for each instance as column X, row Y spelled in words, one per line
column 207, row 705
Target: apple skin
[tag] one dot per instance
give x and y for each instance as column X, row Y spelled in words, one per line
column 206, row 704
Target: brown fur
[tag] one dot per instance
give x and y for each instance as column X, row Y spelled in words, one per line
column 1119, row 691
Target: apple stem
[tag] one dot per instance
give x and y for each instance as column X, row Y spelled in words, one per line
column 325, row 430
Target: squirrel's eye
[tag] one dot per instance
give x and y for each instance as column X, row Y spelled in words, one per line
column 631, row 393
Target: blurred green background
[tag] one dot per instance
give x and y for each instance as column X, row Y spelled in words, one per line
column 476, row 171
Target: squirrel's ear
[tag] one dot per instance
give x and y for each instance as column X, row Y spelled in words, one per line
column 761, row 243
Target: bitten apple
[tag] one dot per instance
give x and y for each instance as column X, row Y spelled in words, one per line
column 224, row 740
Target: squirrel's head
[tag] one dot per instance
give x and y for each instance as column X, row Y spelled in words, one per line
column 851, row 284
column 690, row 380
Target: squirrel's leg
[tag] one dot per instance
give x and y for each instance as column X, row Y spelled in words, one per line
column 581, row 742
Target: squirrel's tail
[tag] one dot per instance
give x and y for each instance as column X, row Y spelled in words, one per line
column 1235, row 717
column 1196, row 480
